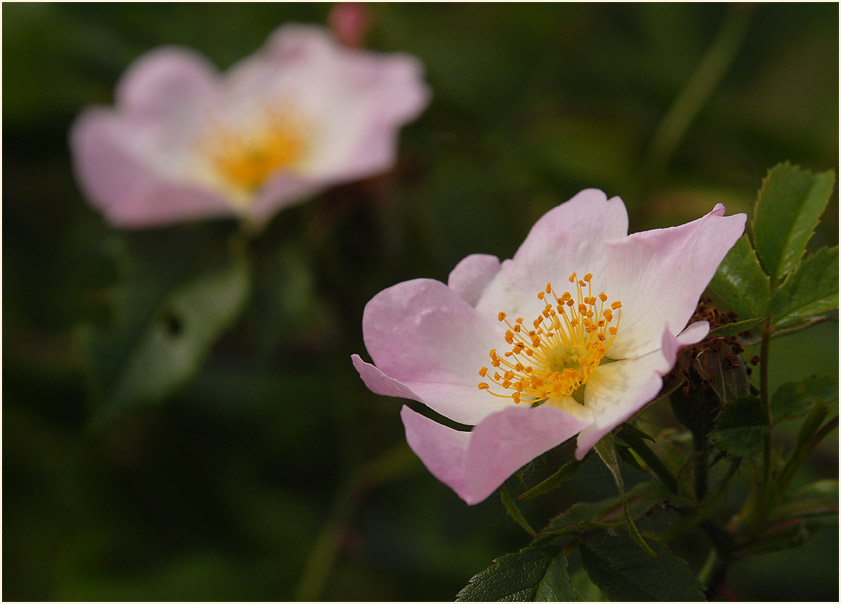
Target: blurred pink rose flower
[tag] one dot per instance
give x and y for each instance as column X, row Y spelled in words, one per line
column 349, row 21
column 185, row 141
column 584, row 321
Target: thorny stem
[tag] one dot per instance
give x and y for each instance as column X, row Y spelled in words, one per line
column 766, row 407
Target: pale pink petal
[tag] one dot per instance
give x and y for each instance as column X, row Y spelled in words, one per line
column 283, row 190
column 168, row 83
column 617, row 391
column 471, row 276
column 380, row 383
column 569, row 238
column 659, row 275
column 425, row 336
column 474, row 464
column 126, row 188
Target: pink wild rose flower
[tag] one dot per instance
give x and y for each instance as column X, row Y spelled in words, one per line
column 571, row 336
column 186, row 142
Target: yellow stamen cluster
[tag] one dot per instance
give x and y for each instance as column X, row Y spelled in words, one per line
column 554, row 359
column 245, row 155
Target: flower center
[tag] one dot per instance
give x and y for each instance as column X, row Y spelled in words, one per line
column 244, row 155
column 553, row 361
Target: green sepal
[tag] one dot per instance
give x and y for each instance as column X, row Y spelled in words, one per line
column 606, row 449
column 514, row 511
column 734, row 329
column 565, row 473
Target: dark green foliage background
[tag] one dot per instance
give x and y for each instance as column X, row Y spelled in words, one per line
column 220, row 492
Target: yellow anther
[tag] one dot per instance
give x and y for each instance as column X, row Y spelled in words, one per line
column 484, row 386
column 501, row 316
column 572, row 278
column 483, row 371
column 568, row 342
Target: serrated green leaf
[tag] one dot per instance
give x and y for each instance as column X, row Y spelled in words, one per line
column 532, row 574
column 740, row 428
column 585, row 588
column 734, row 329
column 567, row 472
column 741, row 283
column 795, row 399
column 810, row 291
column 514, row 511
column 625, row 573
column 788, row 208
column 167, row 315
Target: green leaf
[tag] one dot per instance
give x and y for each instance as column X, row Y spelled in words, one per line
column 810, row 291
column 740, row 428
column 530, row 575
column 819, row 498
column 514, row 511
column 734, row 329
column 624, row 573
column 741, row 283
column 567, row 471
column 175, row 298
column 788, row 208
column 795, row 399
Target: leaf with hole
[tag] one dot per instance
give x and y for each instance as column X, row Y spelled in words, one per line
column 177, row 294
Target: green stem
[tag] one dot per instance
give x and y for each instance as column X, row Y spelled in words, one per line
column 654, row 462
column 326, row 546
column 765, row 398
column 697, row 90
column 701, row 459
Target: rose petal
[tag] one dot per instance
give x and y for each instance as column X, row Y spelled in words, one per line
column 425, row 336
column 659, row 275
column 128, row 190
column 471, row 276
column 568, row 238
column 168, row 83
column 474, row 464
column 616, row 391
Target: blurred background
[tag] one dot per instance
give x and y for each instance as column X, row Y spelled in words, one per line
column 273, row 474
